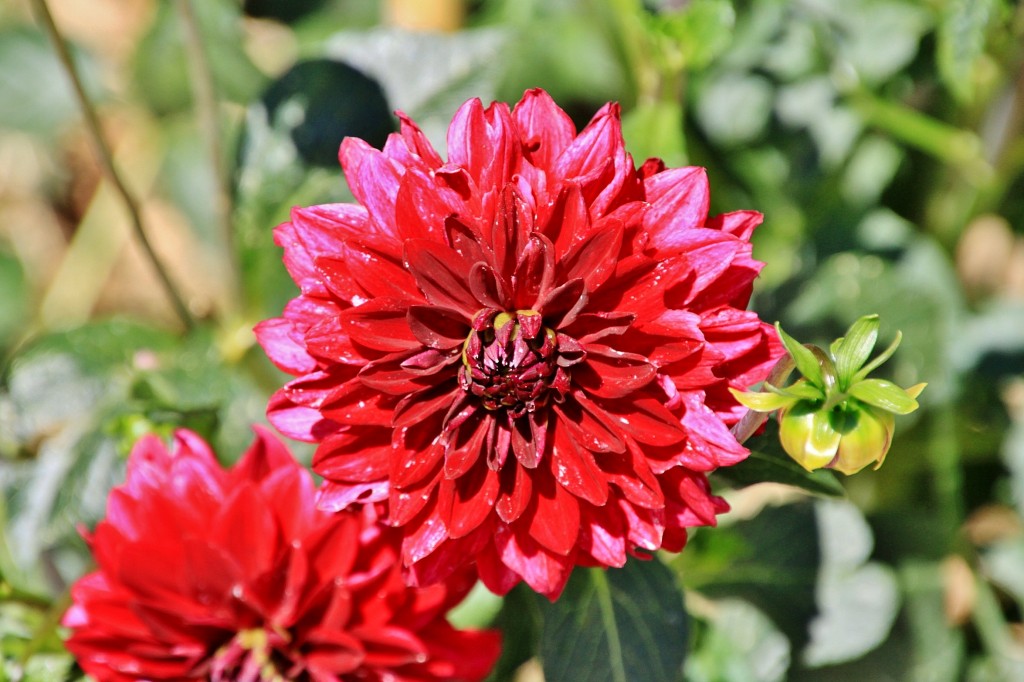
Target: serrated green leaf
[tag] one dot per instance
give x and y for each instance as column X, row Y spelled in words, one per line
column 805, row 360
column 616, row 625
column 884, row 395
column 855, row 348
column 76, row 401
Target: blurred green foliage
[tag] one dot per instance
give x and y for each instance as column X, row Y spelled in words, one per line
column 882, row 139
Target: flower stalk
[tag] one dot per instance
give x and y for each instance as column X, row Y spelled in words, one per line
column 107, row 163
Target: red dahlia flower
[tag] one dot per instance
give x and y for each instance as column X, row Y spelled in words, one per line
column 207, row 574
column 525, row 351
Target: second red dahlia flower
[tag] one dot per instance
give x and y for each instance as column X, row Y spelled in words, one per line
column 213, row 574
column 525, row 351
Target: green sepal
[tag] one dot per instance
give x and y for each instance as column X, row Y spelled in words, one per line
column 884, row 395
column 803, row 357
column 854, row 349
column 877, row 362
column 800, row 390
column 762, row 402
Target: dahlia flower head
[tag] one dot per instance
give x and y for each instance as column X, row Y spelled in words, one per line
column 523, row 353
column 213, row 574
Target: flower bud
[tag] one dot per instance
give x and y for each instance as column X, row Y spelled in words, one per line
column 834, row 416
column 845, row 438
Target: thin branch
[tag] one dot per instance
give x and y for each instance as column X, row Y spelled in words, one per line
column 107, row 162
column 205, row 93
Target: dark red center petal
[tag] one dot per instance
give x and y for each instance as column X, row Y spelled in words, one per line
column 510, row 361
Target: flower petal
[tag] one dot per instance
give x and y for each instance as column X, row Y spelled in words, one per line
column 379, row 324
column 679, row 199
column 545, row 130
column 609, row 373
column 575, row 469
column 441, row 275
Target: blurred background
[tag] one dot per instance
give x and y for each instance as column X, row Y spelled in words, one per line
column 882, row 139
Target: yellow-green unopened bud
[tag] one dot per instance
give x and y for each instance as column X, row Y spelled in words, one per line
column 845, row 439
column 834, row 415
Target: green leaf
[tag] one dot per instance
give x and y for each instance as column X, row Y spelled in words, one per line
column 617, row 625
column 738, row 643
column 162, row 74
column 879, row 37
column 734, row 108
column 771, row 464
column 777, row 573
column 62, row 377
column 477, row 610
column 327, row 101
column 520, row 623
column 961, row 43
column 857, row 600
column 271, row 178
column 855, row 348
column 804, row 358
column 48, row 668
column 74, row 403
column 700, row 31
column 427, row 75
column 884, row 395
column 937, row 648
column 14, row 305
column 28, row 60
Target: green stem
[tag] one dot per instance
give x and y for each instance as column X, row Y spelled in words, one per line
column 623, row 25
column 107, row 162
column 10, row 593
column 945, row 461
column 956, row 146
column 47, row 627
column 205, row 93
